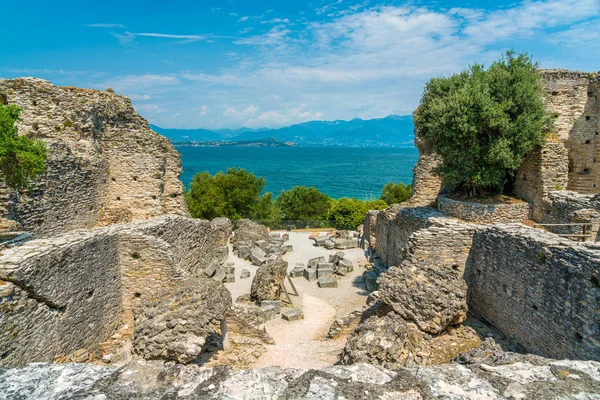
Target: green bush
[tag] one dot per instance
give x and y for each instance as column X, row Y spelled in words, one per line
column 303, row 203
column 483, row 122
column 395, row 193
column 235, row 195
column 21, row 158
column 348, row 213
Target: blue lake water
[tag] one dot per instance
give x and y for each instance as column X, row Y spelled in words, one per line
column 338, row 172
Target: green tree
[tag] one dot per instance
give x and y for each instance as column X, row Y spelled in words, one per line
column 395, row 193
column 21, row 158
column 303, row 203
column 348, row 213
column 483, row 122
column 235, row 195
column 376, row 205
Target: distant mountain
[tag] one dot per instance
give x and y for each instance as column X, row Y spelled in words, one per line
column 392, row 131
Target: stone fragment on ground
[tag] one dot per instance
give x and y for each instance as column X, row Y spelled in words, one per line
column 298, row 271
column 328, row 282
column 370, row 278
column 245, row 274
column 310, row 274
column 274, row 303
column 314, row 262
column 293, row 314
column 257, row 256
column 267, row 282
column 344, row 266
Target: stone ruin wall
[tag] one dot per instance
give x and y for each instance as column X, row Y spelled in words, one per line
column 105, row 164
column 569, row 160
column 77, row 290
column 482, row 213
column 538, row 289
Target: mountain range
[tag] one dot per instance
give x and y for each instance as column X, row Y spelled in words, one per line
column 391, row 131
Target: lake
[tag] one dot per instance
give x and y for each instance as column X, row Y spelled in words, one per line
column 338, row 172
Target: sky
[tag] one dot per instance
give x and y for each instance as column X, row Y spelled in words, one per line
column 272, row 63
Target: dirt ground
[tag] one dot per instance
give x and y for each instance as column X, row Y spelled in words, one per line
column 302, row 344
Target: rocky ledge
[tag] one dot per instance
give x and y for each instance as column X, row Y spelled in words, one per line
column 523, row 377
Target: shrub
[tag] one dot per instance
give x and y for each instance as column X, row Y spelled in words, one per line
column 348, row 213
column 110, row 90
column 303, row 203
column 395, row 193
column 483, row 122
column 235, row 195
column 21, row 158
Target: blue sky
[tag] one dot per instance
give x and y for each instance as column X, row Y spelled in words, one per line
column 266, row 63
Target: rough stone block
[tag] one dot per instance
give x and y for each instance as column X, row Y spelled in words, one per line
column 293, row 314
column 329, row 244
column 229, row 278
column 325, row 273
column 229, row 264
column 288, row 248
column 343, row 244
column 313, row 262
column 297, row 272
column 286, row 237
column 328, row 282
column 230, row 270
column 274, row 303
column 335, row 258
column 370, row 278
column 245, row 274
column 258, row 256
column 268, row 313
column 310, row 274
column 244, row 252
column 210, row 270
column 345, row 266
column 274, row 235
column 220, row 274
column 320, row 240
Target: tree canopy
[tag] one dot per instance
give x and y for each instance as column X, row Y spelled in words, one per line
column 303, row 204
column 235, row 194
column 395, row 193
column 483, row 122
column 21, row 158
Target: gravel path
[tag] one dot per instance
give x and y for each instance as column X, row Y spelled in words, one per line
column 302, row 344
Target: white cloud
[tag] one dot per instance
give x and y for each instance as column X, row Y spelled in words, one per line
column 171, row 36
column 203, row 110
column 106, row 25
column 327, row 7
column 362, row 62
column 243, row 19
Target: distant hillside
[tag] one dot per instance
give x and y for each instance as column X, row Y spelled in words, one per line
column 392, row 131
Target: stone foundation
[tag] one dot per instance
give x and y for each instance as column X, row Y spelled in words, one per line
column 484, row 213
column 76, row 290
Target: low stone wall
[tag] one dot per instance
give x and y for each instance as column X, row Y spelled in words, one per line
column 484, row 213
column 74, row 291
column 538, row 289
column 565, row 207
column 395, row 225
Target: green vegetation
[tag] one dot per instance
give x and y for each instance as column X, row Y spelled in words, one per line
column 21, row 158
column 237, row 194
column 483, row 122
column 396, row 193
column 303, row 204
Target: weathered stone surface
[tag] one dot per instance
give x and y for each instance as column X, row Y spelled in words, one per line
column 293, row 314
column 345, row 266
column 428, row 287
column 245, row 274
column 249, row 232
column 320, row 240
column 174, row 324
column 314, row 262
column 267, row 282
column 542, row 379
column 484, row 213
column 243, row 252
column 93, row 280
column 335, row 258
column 268, row 312
column 326, row 281
column 105, row 165
column 343, row 244
column 220, row 274
column 257, row 256
column 297, row 272
column 229, row 278
column 325, row 270
column 310, row 274
column 370, row 278
column 368, row 238
column 329, row 244
column 274, row 303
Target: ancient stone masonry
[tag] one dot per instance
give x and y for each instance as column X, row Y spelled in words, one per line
column 105, row 164
column 523, row 378
column 540, row 290
column 80, row 290
column 566, row 207
column 484, row 213
column 426, row 184
column 537, row 288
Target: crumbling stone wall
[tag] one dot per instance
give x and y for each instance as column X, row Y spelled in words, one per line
column 564, row 207
column 395, row 225
column 105, row 164
column 484, row 213
column 539, row 289
column 426, row 184
column 77, row 290
column 544, row 170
